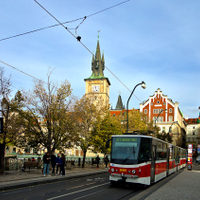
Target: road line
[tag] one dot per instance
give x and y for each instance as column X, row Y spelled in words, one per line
column 64, row 195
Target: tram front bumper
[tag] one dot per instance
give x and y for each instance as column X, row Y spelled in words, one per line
column 124, row 175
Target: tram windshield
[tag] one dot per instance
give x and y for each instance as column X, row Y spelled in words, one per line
column 125, row 150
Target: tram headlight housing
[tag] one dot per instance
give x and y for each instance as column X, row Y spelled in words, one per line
column 112, row 170
column 133, row 171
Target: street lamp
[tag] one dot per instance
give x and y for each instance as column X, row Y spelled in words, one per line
column 157, row 119
column 143, row 85
column 175, row 122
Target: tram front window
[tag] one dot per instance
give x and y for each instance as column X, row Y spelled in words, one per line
column 125, row 150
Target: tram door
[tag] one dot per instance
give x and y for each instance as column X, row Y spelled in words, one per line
column 153, row 160
column 168, row 154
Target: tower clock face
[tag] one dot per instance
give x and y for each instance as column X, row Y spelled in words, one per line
column 95, row 88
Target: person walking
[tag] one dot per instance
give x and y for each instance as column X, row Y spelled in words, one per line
column 53, row 162
column 63, row 164
column 106, row 161
column 97, row 161
column 46, row 162
column 58, row 163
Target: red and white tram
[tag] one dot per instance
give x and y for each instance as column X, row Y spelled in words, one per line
column 143, row 159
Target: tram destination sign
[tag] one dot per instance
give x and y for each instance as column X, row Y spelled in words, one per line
column 126, row 139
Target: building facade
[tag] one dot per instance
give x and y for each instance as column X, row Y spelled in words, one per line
column 166, row 115
column 193, row 131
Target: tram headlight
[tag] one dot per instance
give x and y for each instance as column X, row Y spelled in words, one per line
column 112, row 169
column 133, row 171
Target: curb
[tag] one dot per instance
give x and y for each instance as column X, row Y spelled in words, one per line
column 38, row 181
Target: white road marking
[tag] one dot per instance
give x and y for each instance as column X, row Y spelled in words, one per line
column 64, row 195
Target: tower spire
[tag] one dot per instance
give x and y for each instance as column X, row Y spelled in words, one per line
column 98, row 63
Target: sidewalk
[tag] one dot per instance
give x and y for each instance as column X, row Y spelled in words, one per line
column 184, row 186
column 17, row 179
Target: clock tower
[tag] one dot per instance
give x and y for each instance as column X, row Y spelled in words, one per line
column 97, row 85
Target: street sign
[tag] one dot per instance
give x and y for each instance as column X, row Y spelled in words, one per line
column 1, row 124
column 190, row 151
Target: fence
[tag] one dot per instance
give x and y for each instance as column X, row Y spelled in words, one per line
column 17, row 162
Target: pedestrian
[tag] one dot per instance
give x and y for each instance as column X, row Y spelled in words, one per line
column 53, row 162
column 106, row 160
column 97, row 161
column 58, row 163
column 63, row 164
column 46, row 162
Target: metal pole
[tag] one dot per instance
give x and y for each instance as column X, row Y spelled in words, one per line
column 130, row 98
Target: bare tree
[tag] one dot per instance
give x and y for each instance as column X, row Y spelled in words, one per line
column 49, row 123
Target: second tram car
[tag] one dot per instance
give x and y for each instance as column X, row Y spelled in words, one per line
column 143, row 159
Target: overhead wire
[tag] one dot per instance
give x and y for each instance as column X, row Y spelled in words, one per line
column 80, row 42
column 71, row 21
column 19, row 70
column 59, row 23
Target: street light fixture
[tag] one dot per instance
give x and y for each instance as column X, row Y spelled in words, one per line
column 143, row 85
column 157, row 119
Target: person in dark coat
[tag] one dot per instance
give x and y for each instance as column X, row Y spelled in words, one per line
column 58, row 163
column 106, row 161
column 46, row 162
column 63, row 164
column 97, row 161
column 53, row 162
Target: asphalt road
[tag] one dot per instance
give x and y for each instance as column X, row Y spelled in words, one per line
column 85, row 188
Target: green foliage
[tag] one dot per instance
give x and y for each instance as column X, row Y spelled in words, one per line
column 105, row 127
column 85, row 113
column 164, row 136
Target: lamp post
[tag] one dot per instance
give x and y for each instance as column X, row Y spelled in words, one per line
column 175, row 122
column 143, row 85
column 157, row 119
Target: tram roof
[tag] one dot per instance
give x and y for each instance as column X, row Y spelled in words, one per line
column 131, row 135
column 144, row 136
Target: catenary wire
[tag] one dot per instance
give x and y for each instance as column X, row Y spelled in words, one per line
column 19, row 70
column 80, row 42
column 72, row 35
column 40, row 29
column 55, row 25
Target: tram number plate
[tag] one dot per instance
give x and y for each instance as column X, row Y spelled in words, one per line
column 123, row 170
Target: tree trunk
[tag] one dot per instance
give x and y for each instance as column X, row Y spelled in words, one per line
column 2, row 150
column 84, row 156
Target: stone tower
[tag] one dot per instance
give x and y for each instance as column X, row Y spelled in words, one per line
column 97, row 84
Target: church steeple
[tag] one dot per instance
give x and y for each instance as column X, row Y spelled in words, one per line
column 98, row 64
column 97, row 85
column 119, row 105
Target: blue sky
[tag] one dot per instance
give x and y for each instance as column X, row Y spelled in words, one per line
column 145, row 40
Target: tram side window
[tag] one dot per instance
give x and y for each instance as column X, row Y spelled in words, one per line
column 177, row 155
column 144, row 154
column 161, row 152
